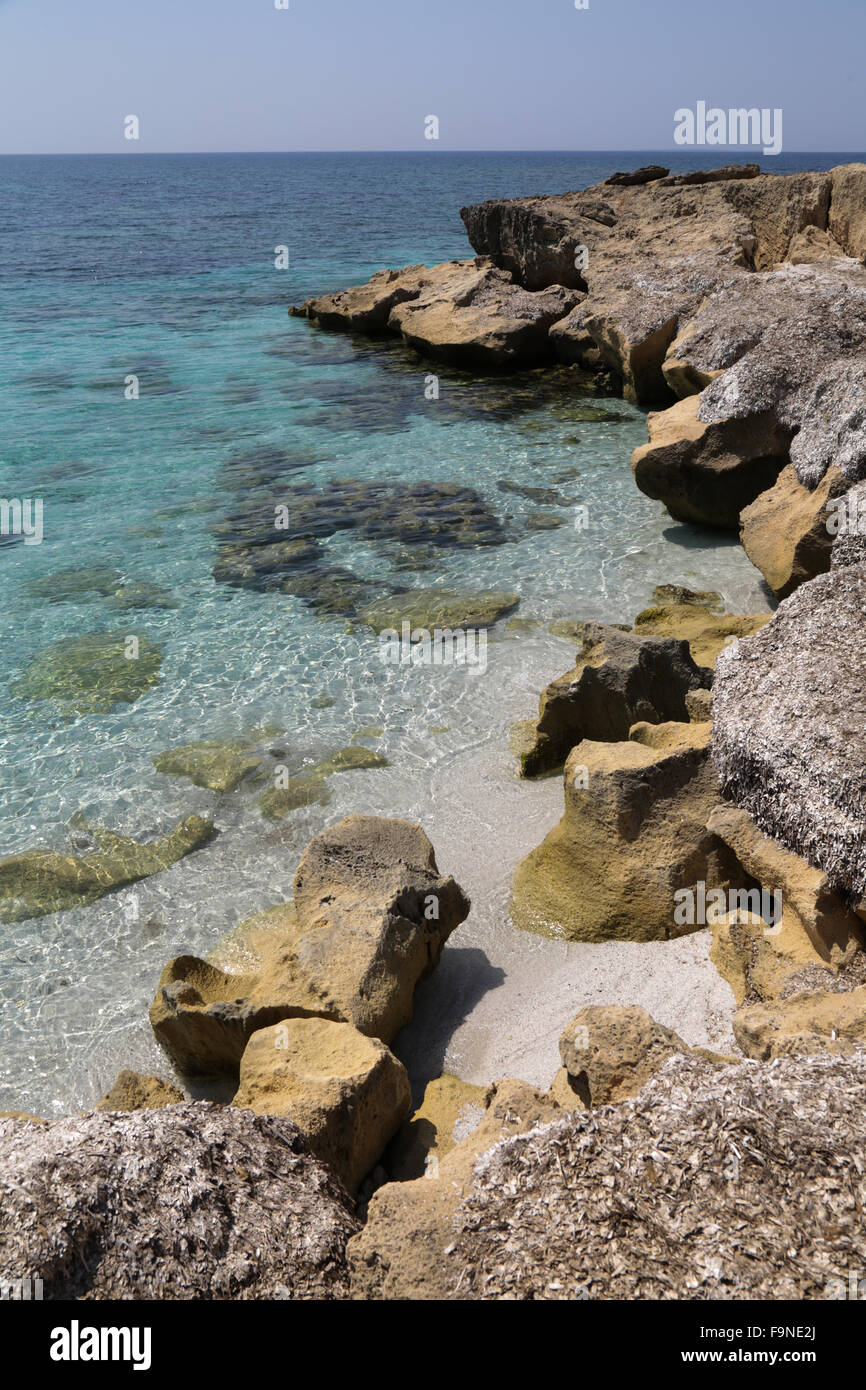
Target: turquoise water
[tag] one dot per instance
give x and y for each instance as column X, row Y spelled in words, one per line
column 163, row 268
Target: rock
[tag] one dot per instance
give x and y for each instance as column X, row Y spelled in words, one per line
column 847, row 217
column 646, row 174
column 632, row 835
column 478, row 316
column 450, row 1111
column 346, row 1092
column 611, row 1051
column 816, row 926
column 787, row 349
column 784, row 531
column 69, row 585
column 803, row 1025
column 141, row 594
column 708, row 473
column 38, row 881
column 706, row 633
column 619, row 679
column 132, row 1091
column 729, row 171
column 220, row 765
column 372, row 915
column 366, row 308
column 400, row 1252
column 442, row 608
column 595, row 1205
column 789, row 714
column 196, row 1201
column 93, row 673
column 814, row 246
column 849, row 529
column 290, row 793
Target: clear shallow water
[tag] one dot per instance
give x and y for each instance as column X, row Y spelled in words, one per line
column 164, row 268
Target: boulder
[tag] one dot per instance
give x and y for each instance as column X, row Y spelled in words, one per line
column 611, row 1051
column 646, row 174
column 789, row 714
column 133, row 1091
column 195, row 1201
column 347, row 1093
column 372, row 914
column 699, row 1187
column 784, row 531
column 620, row 678
column 707, row 473
column 450, row 1111
column 847, row 216
column 803, row 1024
column 633, row 834
column 707, row 634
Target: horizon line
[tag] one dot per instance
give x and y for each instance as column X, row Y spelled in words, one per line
column 183, row 154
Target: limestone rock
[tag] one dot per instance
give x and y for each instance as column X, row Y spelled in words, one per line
column 847, row 218
column 633, row 833
column 611, row 1051
column 784, row 531
column 706, row 633
column 372, row 915
column 132, row 1091
column 804, row 1024
column 620, row 678
column 789, row 714
column 707, row 473
column 400, row 1253
column 217, row 764
column 450, row 1111
column 347, row 1093
column 366, row 308
column 196, row 1201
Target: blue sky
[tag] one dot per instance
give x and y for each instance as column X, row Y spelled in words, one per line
column 363, row 74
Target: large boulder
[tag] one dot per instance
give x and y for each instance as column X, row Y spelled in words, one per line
column 633, row 834
column 372, row 914
column 699, row 1187
column 347, row 1093
column 707, row 473
column 196, row 1201
column 789, row 726
column 620, row 678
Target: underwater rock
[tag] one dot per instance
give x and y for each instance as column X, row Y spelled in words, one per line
column 92, row 673
column 220, row 765
column 442, row 608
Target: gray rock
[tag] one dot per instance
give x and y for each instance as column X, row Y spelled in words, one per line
column 789, row 725
column 193, row 1201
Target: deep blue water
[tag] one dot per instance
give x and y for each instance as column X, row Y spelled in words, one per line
column 162, row 267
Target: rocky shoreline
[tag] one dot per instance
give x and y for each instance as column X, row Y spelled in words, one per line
column 714, row 776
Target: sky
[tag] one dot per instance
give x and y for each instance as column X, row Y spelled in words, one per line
column 233, row 75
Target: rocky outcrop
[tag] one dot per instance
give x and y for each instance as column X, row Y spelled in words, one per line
column 707, row 473
column 706, row 632
column 634, row 832
column 372, row 916
column 470, row 313
column 620, row 678
column 789, row 713
column 194, row 1201
column 347, row 1093
column 714, row 1152
column 133, row 1091
column 803, row 1025
column 784, row 531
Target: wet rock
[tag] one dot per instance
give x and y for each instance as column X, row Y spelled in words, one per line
column 38, row 881
column 93, row 673
column 372, row 914
column 141, row 594
column 634, row 833
column 619, row 679
column 442, row 608
column 346, row 1092
column 132, row 1091
column 290, row 793
column 194, row 1201
column 74, row 584
column 789, row 713
column 220, row 765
